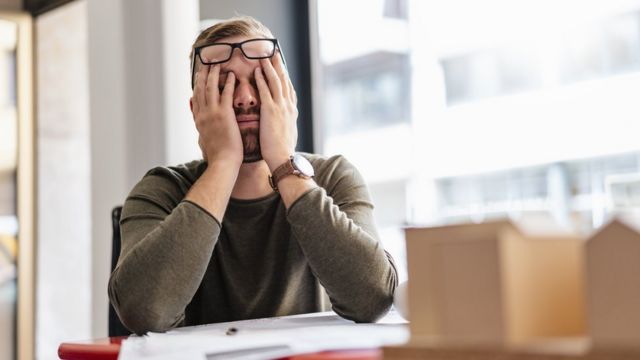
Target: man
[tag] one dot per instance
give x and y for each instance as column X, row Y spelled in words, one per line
column 253, row 230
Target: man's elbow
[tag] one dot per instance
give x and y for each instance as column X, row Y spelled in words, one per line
column 141, row 321
column 140, row 315
column 376, row 297
column 378, row 307
column 371, row 307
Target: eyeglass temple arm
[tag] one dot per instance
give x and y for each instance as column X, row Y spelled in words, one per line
column 193, row 68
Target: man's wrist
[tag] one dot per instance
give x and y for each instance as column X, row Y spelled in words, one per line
column 275, row 161
column 225, row 163
column 213, row 188
column 297, row 165
column 226, row 169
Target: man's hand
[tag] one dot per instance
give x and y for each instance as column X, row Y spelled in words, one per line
column 278, row 130
column 278, row 112
column 215, row 119
column 219, row 140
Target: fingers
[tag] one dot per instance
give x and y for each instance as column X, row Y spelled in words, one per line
column 292, row 93
column 263, row 87
column 272, row 79
column 282, row 74
column 206, row 92
column 195, row 107
column 212, row 92
column 227, row 92
column 198, row 89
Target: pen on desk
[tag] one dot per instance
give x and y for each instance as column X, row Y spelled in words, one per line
column 231, row 331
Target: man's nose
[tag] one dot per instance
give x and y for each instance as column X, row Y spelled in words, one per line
column 245, row 96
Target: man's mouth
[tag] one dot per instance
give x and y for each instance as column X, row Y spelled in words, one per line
column 247, row 118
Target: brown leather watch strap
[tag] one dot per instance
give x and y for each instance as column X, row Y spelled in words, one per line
column 280, row 172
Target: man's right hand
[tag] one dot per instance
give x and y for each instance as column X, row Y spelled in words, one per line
column 220, row 141
column 215, row 119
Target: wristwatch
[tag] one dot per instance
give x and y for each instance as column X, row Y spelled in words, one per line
column 296, row 165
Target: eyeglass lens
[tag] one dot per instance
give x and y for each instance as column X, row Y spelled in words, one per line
column 251, row 49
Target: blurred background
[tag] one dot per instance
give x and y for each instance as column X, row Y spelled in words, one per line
column 453, row 110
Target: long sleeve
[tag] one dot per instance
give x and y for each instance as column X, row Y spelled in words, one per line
column 166, row 246
column 338, row 237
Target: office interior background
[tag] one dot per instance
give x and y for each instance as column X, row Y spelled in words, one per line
column 453, row 111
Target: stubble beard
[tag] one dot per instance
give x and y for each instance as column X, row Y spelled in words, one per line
column 250, row 137
column 251, row 143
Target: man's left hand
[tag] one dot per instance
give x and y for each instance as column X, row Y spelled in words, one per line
column 278, row 112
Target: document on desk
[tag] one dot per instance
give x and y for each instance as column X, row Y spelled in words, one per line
column 266, row 338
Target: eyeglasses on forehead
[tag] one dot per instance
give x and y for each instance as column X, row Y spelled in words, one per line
column 220, row 52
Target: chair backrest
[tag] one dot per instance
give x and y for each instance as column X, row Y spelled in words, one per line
column 115, row 325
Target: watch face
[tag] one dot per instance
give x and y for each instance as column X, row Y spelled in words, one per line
column 303, row 165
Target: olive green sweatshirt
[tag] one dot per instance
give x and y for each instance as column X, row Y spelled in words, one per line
column 180, row 266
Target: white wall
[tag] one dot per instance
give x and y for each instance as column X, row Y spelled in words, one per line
column 178, row 34
column 113, row 89
column 63, row 286
column 109, row 162
column 137, row 60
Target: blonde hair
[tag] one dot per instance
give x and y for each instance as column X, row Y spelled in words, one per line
column 235, row 26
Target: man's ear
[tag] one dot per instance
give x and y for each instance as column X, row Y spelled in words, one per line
column 191, row 104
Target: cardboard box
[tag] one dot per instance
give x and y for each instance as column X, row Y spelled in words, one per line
column 491, row 284
column 613, row 285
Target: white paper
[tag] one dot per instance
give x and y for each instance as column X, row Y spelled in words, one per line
column 266, row 338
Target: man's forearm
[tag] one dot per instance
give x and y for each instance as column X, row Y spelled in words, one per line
column 213, row 189
column 171, row 253
column 347, row 258
column 161, row 265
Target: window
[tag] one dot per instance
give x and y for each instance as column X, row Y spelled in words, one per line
column 367, row 92
column 456, row 111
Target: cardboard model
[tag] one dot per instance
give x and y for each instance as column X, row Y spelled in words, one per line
column 491, row 284
column 613, row 285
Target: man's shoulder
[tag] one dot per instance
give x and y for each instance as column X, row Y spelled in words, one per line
column 189, row 171
column 330, row 170
column 324, row 163
column 170, row 179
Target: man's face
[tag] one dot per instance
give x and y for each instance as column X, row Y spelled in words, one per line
column 246, row 100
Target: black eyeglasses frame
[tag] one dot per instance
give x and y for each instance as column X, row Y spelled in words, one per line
column 197, row 50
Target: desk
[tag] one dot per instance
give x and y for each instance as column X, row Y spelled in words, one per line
column 108, row 349
column 362, row 349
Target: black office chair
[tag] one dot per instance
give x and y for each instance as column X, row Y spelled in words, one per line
column 115, row 326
